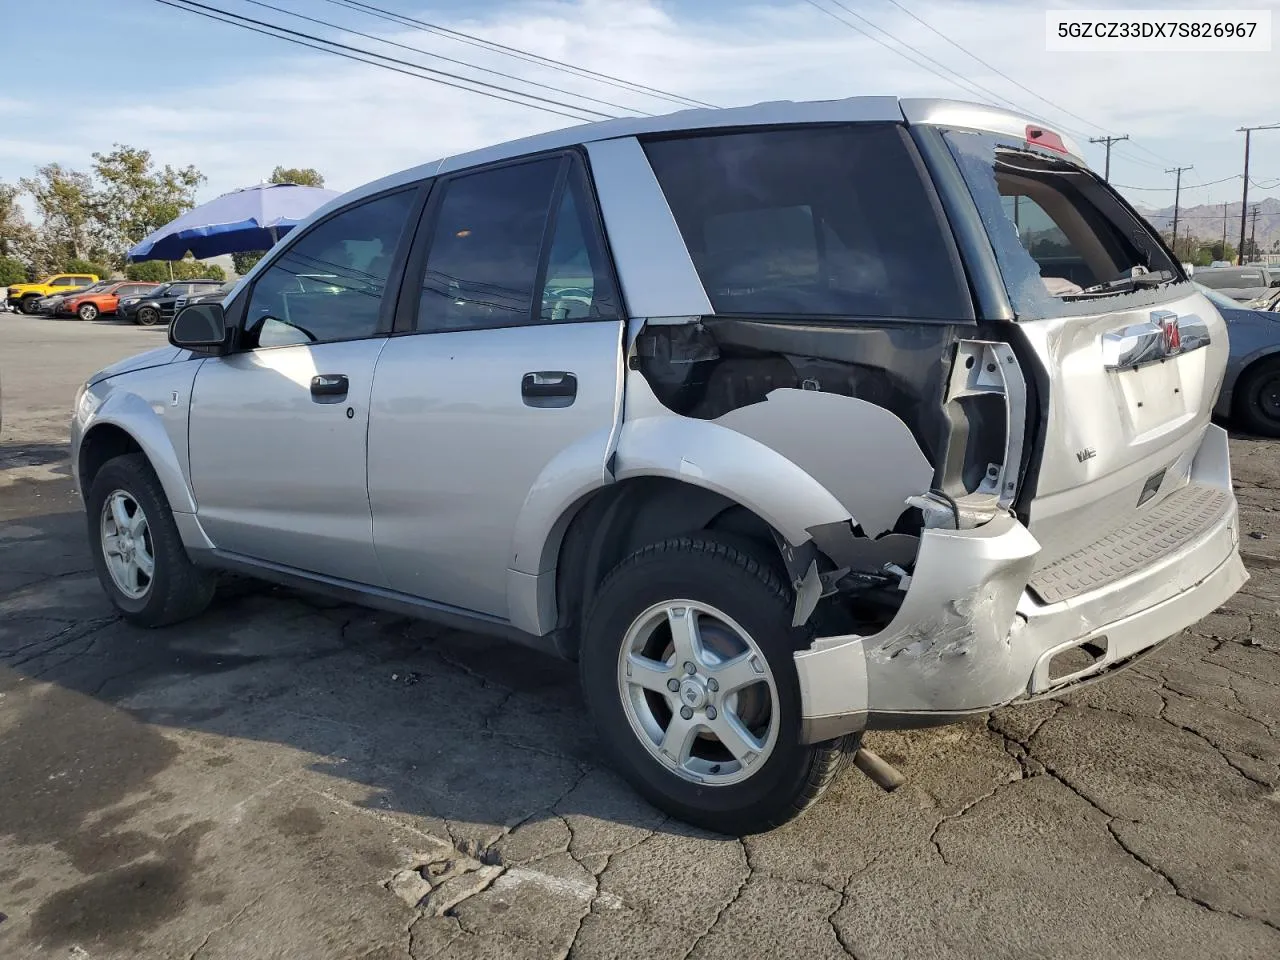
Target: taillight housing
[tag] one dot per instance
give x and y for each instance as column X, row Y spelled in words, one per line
column 1045, row 138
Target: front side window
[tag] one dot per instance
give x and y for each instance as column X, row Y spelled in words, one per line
column 63, row 282
column 812, row 221
column 482, row 265
column 329, row 284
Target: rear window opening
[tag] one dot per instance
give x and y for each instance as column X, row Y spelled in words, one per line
column 1063, row 238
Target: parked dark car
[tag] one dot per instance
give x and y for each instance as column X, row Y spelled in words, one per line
column 1240, row 283
column 214, row 295
column 158, row 306
column 47, row 306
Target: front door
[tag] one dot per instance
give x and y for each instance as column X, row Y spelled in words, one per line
column 278, row 428
column 513, row 366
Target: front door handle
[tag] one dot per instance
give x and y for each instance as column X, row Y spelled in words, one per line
column 549, row 388
column 329, row 386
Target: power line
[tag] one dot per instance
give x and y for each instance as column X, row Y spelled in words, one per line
column 1109, row 140
column 517, row 53
column 1189, row 186
column 971, row 87
column 239, row 20
column 1016, row 83
column 968, row 86
column 428, row 53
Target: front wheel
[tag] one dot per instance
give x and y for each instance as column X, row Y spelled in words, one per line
column 137, row 551
column 87, row 311
column 29, row 305
column 147, row 316
column 687, row 669
column 1257, row 398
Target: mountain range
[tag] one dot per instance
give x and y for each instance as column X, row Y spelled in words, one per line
column 1205, row 221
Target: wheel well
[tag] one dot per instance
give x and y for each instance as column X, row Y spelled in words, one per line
column 99, row 445
column 623, row 517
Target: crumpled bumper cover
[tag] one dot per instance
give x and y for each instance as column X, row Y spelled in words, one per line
column 969, row 636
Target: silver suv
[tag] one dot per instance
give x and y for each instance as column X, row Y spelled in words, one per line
column 786, row 422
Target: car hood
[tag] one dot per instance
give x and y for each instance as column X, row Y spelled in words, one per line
column 141, row 361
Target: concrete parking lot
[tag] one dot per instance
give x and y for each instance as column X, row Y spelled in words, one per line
column 292, row 777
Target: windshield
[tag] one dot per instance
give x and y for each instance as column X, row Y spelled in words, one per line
column 1063, row 239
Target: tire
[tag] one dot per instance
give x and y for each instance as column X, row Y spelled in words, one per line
column 87, row 312
column 29, row 305
column 176, row 589
column 785, row 777
column 147, row 316
column 1257, row 398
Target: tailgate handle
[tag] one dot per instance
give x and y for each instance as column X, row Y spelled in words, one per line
column 1164, row 336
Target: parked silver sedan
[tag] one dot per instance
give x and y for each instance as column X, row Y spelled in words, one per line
column 1251, row 389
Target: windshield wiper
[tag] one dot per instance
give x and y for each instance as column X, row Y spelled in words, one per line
column 1127, row 284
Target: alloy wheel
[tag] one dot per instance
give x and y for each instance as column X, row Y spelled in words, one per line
column 698, row 692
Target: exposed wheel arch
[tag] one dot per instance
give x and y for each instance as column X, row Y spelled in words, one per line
column 103, row 442
column 617, row 520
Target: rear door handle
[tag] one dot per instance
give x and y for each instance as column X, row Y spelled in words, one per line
column 329, row 386
column 549, row 388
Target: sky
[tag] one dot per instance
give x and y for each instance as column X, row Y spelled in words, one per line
column 235, row 104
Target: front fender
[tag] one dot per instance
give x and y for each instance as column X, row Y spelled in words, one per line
column 157, row 422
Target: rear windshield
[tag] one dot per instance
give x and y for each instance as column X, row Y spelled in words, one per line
column 1065, row 242
column 835, row 221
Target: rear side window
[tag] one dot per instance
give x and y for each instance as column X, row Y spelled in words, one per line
column 482, row 268
column 1063, row 239
column 821, row 221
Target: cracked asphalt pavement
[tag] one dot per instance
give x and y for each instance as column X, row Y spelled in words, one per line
column 292, row 777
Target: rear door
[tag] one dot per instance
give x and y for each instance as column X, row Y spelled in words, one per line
column 1129, row 367
column 510, row 362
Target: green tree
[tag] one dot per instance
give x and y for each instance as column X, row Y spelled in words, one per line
column 64, row 199
column 12, row 270
column 197, row 270
column 244, row 262
column 153, row 271
column 134, row 197
column 17, row 237
column 303, row 176
column 79, row 265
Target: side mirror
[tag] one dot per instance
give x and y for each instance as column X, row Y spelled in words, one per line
column 201, row 325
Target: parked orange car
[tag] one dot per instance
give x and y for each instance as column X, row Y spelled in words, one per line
column 89, row 306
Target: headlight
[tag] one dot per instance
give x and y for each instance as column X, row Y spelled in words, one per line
column 87, row 403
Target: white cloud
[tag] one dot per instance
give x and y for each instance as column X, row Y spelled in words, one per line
column 356, row 123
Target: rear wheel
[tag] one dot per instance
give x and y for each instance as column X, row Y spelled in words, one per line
column 87, row 311
column 687, row 669
column 147, row 316
column 1257, row 398
column 137, row 551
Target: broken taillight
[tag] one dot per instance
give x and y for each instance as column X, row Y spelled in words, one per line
column 1045, row 138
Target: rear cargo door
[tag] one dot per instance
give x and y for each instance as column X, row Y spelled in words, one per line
column 1130, row 354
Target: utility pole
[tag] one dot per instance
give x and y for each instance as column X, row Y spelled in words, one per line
column 1106, row 173
column 1177, row 196
column 1253, row 230
column 1244, row 200
column 1224, row 231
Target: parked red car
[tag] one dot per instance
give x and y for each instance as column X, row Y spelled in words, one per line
column 89, row 306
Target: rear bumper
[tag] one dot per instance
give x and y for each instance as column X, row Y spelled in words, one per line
column 970, row 636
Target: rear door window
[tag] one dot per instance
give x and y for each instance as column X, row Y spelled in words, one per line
column 812, row 222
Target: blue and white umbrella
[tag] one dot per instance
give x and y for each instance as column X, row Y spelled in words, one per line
column 252, row 218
